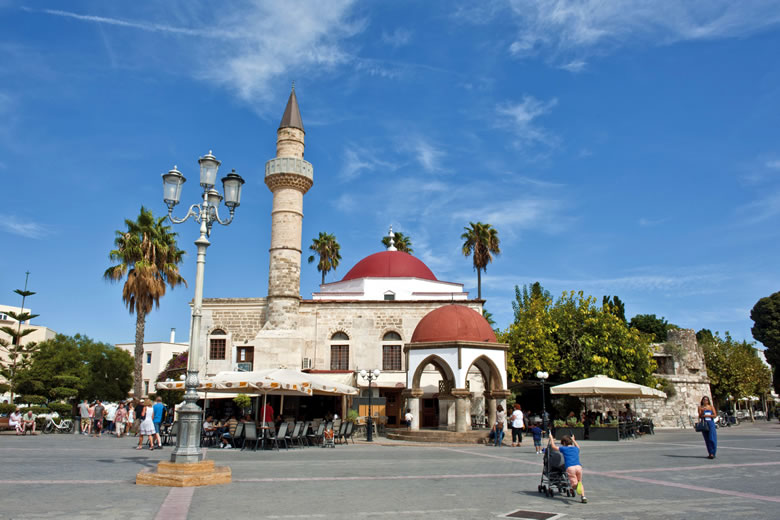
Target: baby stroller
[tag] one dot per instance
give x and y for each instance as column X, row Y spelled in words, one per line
column 554, row 474
column 327, row 438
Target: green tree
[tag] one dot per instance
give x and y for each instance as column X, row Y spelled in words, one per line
column 531, row 337
column 488, row 317
column 17, row 354
column 650, row 324
column 400, row 241
column 766, row 329
column 481, row 242
column 614, row 305
column 733, row 367
column 68, row 367
column 327, row 248
column 148, row 255
column 174, row 369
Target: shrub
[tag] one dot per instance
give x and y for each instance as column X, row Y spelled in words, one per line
column 7, row 408
column 37, row 409
column 33, row 399
column 64, row 409
column 352, row 416
column 242, row 401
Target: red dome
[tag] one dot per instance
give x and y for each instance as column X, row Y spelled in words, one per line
column 390, row 264
column 453, row 323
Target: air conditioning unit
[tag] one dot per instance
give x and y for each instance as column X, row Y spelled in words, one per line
column 306, row 364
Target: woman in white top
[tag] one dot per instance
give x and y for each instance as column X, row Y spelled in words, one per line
column 147, row 426
column 130, row 417
column 517, row 426
column 15, row 421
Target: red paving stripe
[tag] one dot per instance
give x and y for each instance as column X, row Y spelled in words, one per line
column 688, row 486
column 705, row 466
column 380, row 477
column 176, row 505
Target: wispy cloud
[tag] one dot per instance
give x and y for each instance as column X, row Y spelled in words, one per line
column 521, row 118
column 574, row 66
column 397, row 38
column 585, row 27
column 766, row 207
column 358, row 160
column 774, row 164
column 515, row 215
column 429, row 156
column 14, row 225
column 650, row 222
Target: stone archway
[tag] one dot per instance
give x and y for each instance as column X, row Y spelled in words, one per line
column 492, row 390
column 434, row 402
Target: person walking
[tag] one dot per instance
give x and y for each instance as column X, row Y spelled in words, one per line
column 571, row 460
column 84, row 414
column 119, row 420
column 517, row 426
column 130, row 419
column 499, row 427
column 97, row 419
column 147, row 426
column 159, row 411
column 707, row 415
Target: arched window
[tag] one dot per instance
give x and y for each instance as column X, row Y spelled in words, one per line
column 339, row 351
column 391, row 351
column 217, row 345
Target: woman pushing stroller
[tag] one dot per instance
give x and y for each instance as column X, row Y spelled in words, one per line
column 571, row 457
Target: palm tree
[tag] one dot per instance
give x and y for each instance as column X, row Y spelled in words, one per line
column 400, row 241
column 327, row 248
column 482, row 241
column 148, row 254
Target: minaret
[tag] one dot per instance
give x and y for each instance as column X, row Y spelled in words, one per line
column 288, row 177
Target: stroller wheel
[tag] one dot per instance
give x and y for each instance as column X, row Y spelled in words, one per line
column 540, row 488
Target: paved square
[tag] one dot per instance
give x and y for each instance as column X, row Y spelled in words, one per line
column 662, row 476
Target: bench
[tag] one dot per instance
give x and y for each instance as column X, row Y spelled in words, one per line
column 4, row 424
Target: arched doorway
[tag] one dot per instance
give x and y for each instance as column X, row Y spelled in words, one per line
column 435, row 379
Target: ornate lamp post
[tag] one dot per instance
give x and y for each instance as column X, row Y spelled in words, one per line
column 370, row 376
column 206, row 213
column 542, row 377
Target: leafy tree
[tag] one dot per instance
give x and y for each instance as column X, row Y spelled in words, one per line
column 17, row 354
column 733, row 367
column 148, row 255
column 174, row 369
column 480, row 241
column 327, row 248
column 68, row 367
column 614, row 305
column 530, row 337
column 766, row 329
column 400, row 241
column 650, row 324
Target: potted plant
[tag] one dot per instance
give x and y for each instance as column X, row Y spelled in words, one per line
column 243, row 402
column 604, row 431
column 573, row 427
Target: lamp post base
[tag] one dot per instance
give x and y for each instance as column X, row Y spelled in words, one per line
column 170, row 474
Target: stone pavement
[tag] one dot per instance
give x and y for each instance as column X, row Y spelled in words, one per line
column 657, row 477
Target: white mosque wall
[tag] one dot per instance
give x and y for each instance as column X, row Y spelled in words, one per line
column 401, row 289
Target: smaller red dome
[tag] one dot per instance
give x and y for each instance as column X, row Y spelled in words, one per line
column 453, row 323
column 390, row 264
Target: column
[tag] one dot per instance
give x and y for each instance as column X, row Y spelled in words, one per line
column 462, row 409
column 412, row 397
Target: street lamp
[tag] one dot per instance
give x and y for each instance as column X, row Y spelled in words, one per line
column 369, row 376
column 206, row 213
column 542, row 377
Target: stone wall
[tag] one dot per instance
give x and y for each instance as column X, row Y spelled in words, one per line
column 687, row 373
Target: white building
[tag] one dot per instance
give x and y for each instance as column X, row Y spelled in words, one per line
column 39, row 334
column 156, row 357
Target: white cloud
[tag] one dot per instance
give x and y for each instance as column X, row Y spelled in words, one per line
column 521, row 117
column 775, row 164
column 574, row 66
column 649, row 222
column 358, row 160
column 397, row 38
column 590, row 26
column 428, row 155
column 515, row 215
column 13, row 225
column 760, row 210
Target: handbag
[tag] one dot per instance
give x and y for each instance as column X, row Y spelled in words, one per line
column 702, row 426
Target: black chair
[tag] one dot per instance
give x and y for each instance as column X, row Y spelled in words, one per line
column 348, row 433
column 303, row 435
column 316, row 437
column 281, row 436
column 238, row 436
column 339, row 435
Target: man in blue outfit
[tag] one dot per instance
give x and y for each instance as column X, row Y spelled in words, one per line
column 159, row 410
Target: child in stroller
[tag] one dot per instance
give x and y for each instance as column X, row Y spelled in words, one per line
column 554, row 475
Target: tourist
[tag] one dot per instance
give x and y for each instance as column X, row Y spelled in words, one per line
column 629, row 413
column 28, row 422
column 408, row 418
column 499, row 427
column 147, row 426
column 268, row 414
column 84, row 413
column 706, row 414
column 119, row 420
column 97, row 418
column 517, row 426
column 536, row 432
column 15, row 421
column 130, row 418
column 139, row 410
column 159, row 410
column 571, row 459
column 91, row 412
column 229, row 433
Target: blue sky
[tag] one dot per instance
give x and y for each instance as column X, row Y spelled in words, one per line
column 627, row 148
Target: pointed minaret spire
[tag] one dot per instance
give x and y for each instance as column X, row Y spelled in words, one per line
column 292, row 115
column 391, row 236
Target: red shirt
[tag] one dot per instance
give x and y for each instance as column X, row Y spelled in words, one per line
column 268, row 413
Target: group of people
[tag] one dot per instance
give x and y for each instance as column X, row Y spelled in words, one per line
column 225, row 429
column 132, row 417
column 518, row 422
column 22, row 422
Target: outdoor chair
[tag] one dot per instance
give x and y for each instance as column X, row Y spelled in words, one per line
column 336, row 426
column 293, row 437
column 238, row 436
column 339, row 435
column 169, row 438
column 281, row 436
column 316, row 437
column 348, row 433
column 303, row 436
column 208, row 438
column 250, row 436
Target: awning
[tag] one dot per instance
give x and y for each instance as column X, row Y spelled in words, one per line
column 603, row 386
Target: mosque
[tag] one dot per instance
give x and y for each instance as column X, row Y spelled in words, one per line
column 437, row 355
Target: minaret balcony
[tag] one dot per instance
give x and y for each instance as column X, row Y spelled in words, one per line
column 289, row 165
